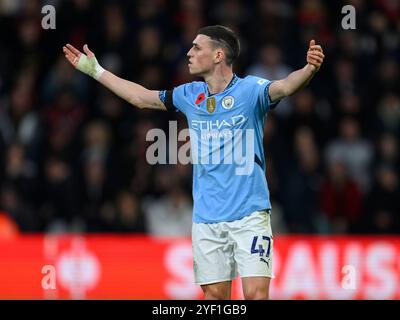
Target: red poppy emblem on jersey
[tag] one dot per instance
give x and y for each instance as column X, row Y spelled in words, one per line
column 200, row 98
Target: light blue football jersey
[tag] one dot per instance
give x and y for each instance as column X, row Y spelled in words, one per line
column 226, row 134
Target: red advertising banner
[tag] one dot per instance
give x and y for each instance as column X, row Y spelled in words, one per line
column 138, row 267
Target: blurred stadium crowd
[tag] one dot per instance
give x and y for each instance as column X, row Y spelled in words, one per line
column 73, row 155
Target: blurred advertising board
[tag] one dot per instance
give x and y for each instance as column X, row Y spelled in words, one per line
column 140, row 267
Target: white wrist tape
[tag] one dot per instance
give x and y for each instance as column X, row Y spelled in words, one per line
column 90, row 66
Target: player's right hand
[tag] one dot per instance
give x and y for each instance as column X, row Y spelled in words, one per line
column 87, row 63
column 315, row 55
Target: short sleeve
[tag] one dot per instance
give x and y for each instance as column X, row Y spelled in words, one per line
column 181, row 98
column 264, row 99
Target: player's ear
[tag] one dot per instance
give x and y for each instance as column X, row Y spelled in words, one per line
column 219, row 55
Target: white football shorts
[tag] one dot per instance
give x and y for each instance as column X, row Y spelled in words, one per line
column 221, row 250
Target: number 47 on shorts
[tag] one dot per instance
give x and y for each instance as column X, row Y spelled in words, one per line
column 257, row 246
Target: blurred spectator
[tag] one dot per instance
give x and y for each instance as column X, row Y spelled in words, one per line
column 312, row 21
column 21, row 173
column 270, row 16
column 63, row 78
column 389, row 75
column 304, row 113
column 171, row 215
column 353, row 151
column 114, row 44
column 97, row 169
column 115, row 114
column 150, row 11
column 345, row 74
column 18, row 211
column 341, row 199
column 63, row 119
column 130, row 217
column 59, row 207
column 302, row 184
column 383, row 203
column 74, row 16
column 138, row 175
column 149, row 45
column 231, row 12
column 388, row 114
column 388, row 152
column 152, row 77
column 27, row 47
column 18, row 119
column 349, row 105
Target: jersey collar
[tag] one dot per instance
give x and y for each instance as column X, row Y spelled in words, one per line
column 234, row 79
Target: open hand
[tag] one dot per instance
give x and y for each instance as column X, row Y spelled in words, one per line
column 85, row 62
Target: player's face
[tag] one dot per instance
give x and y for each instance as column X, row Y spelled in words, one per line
column 201, row 55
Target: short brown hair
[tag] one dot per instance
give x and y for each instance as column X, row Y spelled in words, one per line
column 226, row 38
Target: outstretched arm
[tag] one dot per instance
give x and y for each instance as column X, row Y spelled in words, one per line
column 300, row 78
column 132, row 92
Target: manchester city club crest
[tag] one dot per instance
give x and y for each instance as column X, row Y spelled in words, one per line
column 211, row 104
column 228, row 102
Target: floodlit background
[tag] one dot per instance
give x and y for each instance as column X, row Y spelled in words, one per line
column 77, row 193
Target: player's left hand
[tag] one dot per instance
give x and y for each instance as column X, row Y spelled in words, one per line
column 315, row 55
